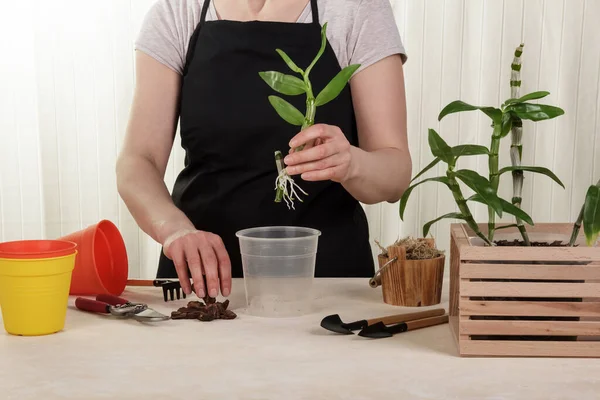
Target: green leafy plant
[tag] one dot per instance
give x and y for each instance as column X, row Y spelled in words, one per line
column 513, row 111
column 292, row 85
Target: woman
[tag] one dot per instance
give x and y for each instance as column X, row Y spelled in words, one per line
column 198, row 60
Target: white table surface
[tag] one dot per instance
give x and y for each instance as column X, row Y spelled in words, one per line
column 258, row 358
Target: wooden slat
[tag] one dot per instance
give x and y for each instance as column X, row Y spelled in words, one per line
column 528, row 271
column 454, row 277
column 516, row 348
column 530, row 308
column 550, row 328
column 529, row 289
column 461, row 232
column 560, row 228
column 567, row 254
column 454, row 324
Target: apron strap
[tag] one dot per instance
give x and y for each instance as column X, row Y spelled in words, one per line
column 315, row 11
column 204, row 10
column 194, row 37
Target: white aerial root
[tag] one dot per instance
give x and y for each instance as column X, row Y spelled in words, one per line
column 281, row 182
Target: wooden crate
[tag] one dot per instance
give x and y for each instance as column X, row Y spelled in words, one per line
column 502, row 299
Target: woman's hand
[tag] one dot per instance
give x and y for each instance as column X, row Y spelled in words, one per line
column 204, row 253
column 327, row 155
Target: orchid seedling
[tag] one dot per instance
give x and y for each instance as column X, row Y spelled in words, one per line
column 291, row 85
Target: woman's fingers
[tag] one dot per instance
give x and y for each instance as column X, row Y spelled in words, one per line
column 194, row 263
column 335, row 174
column 327, row 162
column 203, row 254
column 313, row 154
column 224, row 264
column 319, row 131
column 209, row 261
column 177, row 255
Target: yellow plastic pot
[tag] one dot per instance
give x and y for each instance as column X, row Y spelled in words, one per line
column 35, row 276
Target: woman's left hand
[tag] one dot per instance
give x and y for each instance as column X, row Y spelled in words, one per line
column 327, row 155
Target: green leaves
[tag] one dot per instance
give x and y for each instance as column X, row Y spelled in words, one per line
column 459, row 106
column 336, row 85
column 535, row 112
column 439, row 147
column 450, row 154
column 506, row 124
column 321, row 50
column 482, row 187
column 407, row 192
column 469, row 150
column 286, row 111
column 427, row 168
column 507, row 207
column 527, row 97
column 539, row 170
column 591, row 215
column 427, row 226
column 289, row 62
column 282, row 83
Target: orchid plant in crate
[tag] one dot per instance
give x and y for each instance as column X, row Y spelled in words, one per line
column 291, row 85
column 504, row 120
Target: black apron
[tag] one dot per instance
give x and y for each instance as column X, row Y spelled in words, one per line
column 230, row 132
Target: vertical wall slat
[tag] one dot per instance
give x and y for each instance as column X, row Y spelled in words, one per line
column 584, row 103
column 512, row 37
column 551, row 50
column 567, row 135
column 533, row 25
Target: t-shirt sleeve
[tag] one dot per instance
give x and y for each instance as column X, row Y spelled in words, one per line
column 374, row 34
column 161, row 35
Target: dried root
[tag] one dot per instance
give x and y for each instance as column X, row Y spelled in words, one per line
column 415, row 249
column 204, row 312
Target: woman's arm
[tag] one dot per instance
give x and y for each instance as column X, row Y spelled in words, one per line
column 380, row 169
column 140, row 179
column 148, row 141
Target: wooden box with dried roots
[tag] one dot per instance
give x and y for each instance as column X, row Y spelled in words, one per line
column 411, row 273
column 524, row 301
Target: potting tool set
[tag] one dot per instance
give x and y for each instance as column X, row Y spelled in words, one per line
column 377, row 328
column 119, row 307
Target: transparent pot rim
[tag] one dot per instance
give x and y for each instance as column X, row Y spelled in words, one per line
column 312, row 233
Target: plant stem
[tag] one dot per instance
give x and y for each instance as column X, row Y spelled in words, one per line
column 309, row 120
column 577, row 224
column 462, row 204
column 494, row 178
column 516, row 147
column 280, row 166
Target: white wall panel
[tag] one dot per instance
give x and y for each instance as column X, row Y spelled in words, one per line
column 68, row 79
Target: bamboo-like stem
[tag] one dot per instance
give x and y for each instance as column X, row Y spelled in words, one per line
column 516, row 146
column 577, row 224
column 493, row 176
column 309, row 120
column 462, row 204
column 280, row 167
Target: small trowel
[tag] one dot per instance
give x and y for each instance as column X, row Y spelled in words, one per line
column 335, row 324
column 380, row 330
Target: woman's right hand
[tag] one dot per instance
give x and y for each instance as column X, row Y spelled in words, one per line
column 205, row 254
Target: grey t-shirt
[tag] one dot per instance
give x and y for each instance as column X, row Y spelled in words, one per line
column 359, row 31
